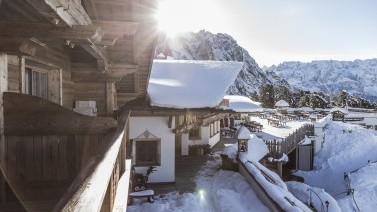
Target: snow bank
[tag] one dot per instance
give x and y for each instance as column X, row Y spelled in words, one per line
column 190, row 84
column 231, row 151
column 274, row 186
column 231, row 192
column 284, row 158
column 242, row 104
column 300, row 191
column 347, row 147
column 365, row 184
column 217, row 190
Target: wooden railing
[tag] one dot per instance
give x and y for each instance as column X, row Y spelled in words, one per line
column 289, row 143
column 95, row 187
column 49, row 149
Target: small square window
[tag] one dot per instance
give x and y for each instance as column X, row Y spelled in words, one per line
column 148, row 152
column 194, row 133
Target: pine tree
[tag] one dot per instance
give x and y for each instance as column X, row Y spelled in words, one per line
column 343, row 97
column 304, row 101
column 267, row 96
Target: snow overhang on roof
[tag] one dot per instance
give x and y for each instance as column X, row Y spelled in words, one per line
column 242, row 104
column 190, row 84
column 339, row 109
column 281, row 103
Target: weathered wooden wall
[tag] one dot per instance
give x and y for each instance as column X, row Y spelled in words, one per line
column 95, row 91
column 42, row 167
column 3, row 88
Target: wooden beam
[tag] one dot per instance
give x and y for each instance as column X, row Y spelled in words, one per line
column 90, row 34
column 61, row 12
column 117, row 27
column 42, row 117
column 100, row 54
column 82, row 73
column 90, row 8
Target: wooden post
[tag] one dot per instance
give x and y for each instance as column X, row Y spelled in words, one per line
column 3, row 88
column 279, row 168
column 21, row 82
column 60, row 86
column 110, row 101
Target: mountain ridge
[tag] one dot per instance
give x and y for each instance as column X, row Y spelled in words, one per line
column 204, row 45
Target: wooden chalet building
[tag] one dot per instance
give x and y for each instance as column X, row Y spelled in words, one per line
column 53, row 53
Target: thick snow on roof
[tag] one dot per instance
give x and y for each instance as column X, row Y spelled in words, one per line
column 343, row 110
column 190, row 84
column 242, row 104
column 256, row 148
column 282, row 103
column 243, row 133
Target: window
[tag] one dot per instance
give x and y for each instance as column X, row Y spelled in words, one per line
column 36, row 83
column 148, row 152
column 194, row 133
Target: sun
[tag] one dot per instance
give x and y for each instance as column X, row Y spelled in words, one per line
column 178, row 16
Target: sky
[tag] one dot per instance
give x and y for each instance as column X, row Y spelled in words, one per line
column 274, row 31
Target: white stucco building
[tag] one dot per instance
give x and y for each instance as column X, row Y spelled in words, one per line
column 182, row 110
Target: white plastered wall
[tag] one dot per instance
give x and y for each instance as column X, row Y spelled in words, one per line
column 158, row 126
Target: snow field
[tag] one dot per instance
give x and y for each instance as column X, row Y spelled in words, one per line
column 347, row 148
column 217, row 190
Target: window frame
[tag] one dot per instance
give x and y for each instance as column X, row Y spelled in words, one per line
column 157, row 156
column 30, row 82
column 195, row 137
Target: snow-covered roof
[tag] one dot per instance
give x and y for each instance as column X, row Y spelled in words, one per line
column 342, row 110
column 242, row 104
column 256, row 148
column 190, row 84
column 306, row 109
column 282, row 103
column 243, row 133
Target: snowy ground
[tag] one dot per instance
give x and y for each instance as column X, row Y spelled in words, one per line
column 270, row 132
column 347, row 148
column 217, row 190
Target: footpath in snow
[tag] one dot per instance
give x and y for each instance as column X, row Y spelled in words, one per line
column 347, row 148
column 217, row 190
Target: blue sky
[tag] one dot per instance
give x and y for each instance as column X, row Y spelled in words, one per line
column 275, row 31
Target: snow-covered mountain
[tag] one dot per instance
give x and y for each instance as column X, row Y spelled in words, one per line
column 204, row 45
column 357, row 77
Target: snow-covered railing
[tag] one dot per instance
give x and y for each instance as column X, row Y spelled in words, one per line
column 288, row 144
column 268, row 186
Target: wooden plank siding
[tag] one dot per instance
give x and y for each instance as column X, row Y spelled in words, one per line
column 94, row 189
column 38, row 164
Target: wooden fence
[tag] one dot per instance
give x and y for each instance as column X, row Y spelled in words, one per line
column 289, row 143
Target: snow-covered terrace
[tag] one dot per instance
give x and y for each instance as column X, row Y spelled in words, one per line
column 190, row 84
column 271, row 132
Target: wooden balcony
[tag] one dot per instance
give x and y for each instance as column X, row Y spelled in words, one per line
column 55, row 159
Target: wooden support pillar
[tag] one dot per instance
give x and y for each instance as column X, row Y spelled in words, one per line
column 279, row 169
column 3, row 88
column 60, row 86
column 21, row 82
column 110, row 100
